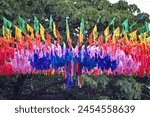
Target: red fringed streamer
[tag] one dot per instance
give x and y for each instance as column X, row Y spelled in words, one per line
column 38, row 38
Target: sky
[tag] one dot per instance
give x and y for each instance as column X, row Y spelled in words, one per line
column 144, row 5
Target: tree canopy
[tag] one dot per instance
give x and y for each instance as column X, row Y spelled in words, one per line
column 91, row 10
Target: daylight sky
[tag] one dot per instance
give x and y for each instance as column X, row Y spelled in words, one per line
column 144, row 5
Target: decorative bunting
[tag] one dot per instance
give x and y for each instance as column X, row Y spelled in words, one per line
column 30, row 30
column 68, row 34
column 21, row 24
column 18, row 33
column 30, row 55
column 36, row 25
column 106, row 33
column 42, row 30
column 125, row 27
column 50, row 23
column 81, row 31
column 95, row 33
column 54, row 29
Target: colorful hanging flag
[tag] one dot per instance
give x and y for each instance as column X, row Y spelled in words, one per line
column 95, row 33
column 113, row 23
column 9, row 32
column 125, row 27
column 147, row 41
column 48, row 39
column 6, row 28
column 50, row 23
column 42, row 30
column 18, row 33
column 81, row 30
column 4, row 31
column 36, row 25
column 90, row 39
column 68, row 34
column 59, row 38
column 142, row 36
column 54, row 29
column 147, row 28
column 30, row 30
column 21, row 24
column 100, row 40
column 133, row 36
column 116, row 34
column 7, row 23
column 38, row 38
column 106, row 33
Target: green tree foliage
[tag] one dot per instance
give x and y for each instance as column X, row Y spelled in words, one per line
column 94, row 87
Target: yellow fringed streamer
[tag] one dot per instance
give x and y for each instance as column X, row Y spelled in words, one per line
column 95, row 33
column 126, row 36
column 30, row 29
column 42, row 32
column 9, row 34
column 116, row 34
column 4, row 31
column 147, row 41
column 106, row 33
column 81, row 37
column 18, row 33
column 133, row 35
column 68, row 35
column 144, row 35
column 54, row 29
column 140, row 38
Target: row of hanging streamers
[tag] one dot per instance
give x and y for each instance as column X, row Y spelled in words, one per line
column 33, row 50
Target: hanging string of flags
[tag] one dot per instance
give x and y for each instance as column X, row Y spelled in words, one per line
column 122, row 52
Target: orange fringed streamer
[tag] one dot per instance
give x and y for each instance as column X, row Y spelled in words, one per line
column 90, row 39
column 59, row 38
column 47, row 41
column 100, row 41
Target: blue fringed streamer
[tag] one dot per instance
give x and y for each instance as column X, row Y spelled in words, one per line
column 57, row 61
column 40, row 63
column 68, row 57
column 106, row 63
column 87, row 62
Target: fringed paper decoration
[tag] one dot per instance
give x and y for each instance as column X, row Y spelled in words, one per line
column 30, row 31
